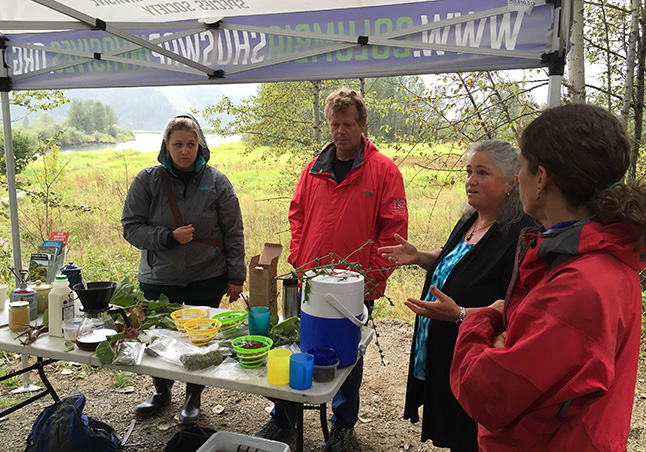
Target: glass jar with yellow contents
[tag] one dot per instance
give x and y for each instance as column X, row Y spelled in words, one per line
column 18, row 315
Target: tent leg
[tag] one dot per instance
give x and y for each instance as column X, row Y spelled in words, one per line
column 11, row 177
column 26, row 385
column 554, row 90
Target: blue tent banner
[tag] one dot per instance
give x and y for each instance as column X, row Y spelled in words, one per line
column 412, row 38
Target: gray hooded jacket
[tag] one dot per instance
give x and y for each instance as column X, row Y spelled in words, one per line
column 207, row 201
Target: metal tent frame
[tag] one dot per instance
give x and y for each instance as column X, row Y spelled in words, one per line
column 65, row 17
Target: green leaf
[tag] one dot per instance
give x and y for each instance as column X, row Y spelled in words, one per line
column 124, row 293
column 115, row 338
column 168, row 323
column 286, row 332
column 105, row 353
column 273, row 319
column 68, row 346
column 153, row 305
column 149, row 323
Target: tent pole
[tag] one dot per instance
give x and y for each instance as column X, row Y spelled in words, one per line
column 556, row 68
column 556, row 60
column 11, row 173
column 554, row 90
column 13, row 206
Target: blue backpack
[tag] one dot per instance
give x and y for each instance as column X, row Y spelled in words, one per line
column 63, row 427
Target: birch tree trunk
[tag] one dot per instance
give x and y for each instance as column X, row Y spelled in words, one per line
column 638, row 112
column 630, row 61
column 362, row 91
column 316, row 112
column 575, row 58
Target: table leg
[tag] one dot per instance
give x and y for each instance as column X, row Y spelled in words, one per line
column 323, row 416
column 299, row 428
column 326, row 433
column 40, row 363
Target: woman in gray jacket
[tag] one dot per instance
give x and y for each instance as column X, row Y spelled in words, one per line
column 185, row 218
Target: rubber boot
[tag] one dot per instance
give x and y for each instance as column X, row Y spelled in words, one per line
column 160, row 398
column 191, row 410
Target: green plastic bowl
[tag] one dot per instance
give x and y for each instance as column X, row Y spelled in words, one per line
column 252, row 350
column 230, row 319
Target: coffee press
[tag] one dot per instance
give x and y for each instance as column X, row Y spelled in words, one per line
column 98, row 325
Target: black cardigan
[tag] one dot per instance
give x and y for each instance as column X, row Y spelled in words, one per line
column 478, row 279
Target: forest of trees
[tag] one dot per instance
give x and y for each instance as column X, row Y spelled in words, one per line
column 88, row 121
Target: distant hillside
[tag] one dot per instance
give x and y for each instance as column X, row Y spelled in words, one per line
column 149, row 108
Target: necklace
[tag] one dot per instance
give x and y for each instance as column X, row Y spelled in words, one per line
column 468, row 237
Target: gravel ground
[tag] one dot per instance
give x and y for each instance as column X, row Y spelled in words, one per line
column 380, row 426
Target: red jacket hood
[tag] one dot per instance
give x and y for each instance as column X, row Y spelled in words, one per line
column 586, row 236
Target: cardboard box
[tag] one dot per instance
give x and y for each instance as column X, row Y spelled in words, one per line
column 263, row 287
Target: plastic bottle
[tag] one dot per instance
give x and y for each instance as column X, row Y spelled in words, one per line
column 59, row 304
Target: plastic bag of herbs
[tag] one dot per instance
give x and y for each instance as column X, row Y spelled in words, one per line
column 286, row 332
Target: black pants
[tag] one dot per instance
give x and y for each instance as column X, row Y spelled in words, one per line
column 208, row 292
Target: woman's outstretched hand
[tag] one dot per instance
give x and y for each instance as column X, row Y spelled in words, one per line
column 444, row 308
column 404, row 253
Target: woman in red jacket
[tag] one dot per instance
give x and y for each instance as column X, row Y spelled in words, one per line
column 555, row 368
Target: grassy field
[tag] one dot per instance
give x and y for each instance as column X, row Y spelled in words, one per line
column 100, row 180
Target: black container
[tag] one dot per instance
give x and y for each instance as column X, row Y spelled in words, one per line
column 96, row 297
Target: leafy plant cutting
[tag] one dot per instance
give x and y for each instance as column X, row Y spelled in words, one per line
column 143, row 314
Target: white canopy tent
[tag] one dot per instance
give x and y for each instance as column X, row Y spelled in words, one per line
column 47, row 44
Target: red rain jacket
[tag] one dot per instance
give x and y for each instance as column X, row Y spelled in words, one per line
column 369, row 204
column 565, row 378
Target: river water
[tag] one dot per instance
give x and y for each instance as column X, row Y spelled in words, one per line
column 148, row 142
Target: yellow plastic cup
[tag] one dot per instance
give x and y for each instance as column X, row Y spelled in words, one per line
column 278, row 366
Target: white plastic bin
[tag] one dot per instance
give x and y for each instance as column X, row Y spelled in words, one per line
column 235, row 442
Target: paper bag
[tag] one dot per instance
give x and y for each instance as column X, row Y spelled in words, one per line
column 263, row 287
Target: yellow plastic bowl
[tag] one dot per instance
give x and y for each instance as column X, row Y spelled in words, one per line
column 182, row 315
column 201, row 331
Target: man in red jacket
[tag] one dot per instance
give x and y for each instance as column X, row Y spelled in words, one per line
column 348, row 195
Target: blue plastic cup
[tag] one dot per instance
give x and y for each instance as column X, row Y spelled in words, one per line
column 301, row 366
column 259, row 321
